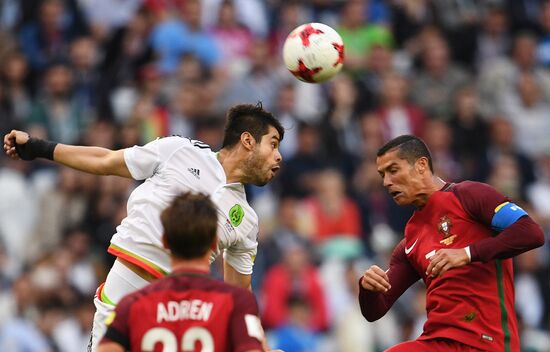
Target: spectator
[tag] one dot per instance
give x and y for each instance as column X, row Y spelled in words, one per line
column 335, row 216
column 358, row 36
column 294, row 276
column 501, row 144
column 469, row 132
column 397, row 114
column 46, row 38
column 436, row 82
column 528, row 112
column 233, row 39
column 496, row 79
column 57, row 113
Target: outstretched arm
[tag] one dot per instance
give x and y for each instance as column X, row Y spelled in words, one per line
column 93, row 160
column 378, row 289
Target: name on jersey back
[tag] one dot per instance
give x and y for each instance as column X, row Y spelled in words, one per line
column 184, row 310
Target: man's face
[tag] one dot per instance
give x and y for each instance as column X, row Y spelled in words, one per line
column 265, row 160
column 400, row 178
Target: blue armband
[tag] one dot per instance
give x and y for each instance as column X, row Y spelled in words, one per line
column 505, row 215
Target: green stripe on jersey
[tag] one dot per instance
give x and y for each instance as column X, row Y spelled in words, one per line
column 503, row 312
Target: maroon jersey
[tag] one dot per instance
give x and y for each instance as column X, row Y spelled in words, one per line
column 473, row 304
column 187, row 311
column 470, row 304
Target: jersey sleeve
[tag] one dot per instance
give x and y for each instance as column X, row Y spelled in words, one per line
column 401, row 274
column 118, row 323
column 237, row 230
column 517, row 232
column 245, row 328
column 241, row 255
column 479, row 200
column 144, row 161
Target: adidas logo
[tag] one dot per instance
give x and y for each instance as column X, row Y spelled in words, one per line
column 195, row 172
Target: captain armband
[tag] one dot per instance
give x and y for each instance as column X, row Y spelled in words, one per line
column 505, row 215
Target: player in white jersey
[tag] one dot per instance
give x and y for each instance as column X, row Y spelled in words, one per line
column 169, row 166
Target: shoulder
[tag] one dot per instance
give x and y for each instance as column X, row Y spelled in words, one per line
column 470, row 186
column 473, row 189
column 231, row 199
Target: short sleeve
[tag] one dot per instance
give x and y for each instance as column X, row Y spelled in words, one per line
column 237, row 228
column 144, row 161
column 245, row 328
column 241, row 256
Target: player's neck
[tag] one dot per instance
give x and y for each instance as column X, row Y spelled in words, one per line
column 199, row 264
column 231, row 161
column 432, row 185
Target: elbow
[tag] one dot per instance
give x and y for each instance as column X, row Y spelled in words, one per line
column 371, row 315
column 539, row 239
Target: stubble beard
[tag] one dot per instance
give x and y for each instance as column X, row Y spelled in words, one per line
column 254, row 170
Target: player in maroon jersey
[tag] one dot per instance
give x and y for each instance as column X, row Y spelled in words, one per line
column 187, row 310
column 459, row 241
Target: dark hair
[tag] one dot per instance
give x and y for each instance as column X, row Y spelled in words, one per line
column 410, row 148
column 249, row 118
column 190, row 225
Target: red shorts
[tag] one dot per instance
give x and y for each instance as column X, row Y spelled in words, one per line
column 435, row 345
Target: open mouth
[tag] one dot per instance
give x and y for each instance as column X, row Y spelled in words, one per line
column 275, row 169
column 395, row 194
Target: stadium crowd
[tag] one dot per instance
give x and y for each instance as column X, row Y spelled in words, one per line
column 470, row 77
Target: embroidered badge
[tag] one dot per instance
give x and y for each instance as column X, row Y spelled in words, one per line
column 236, row 215
column 444, row 228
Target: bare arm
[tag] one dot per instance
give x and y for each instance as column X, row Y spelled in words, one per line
column 93, row 160
column 233, row 277
column 110, row 347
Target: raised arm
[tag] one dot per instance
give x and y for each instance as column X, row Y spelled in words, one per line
column 378, row 289
column 93, row 160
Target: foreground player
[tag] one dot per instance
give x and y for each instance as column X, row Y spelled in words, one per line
column 171, row 165
column 187, row 307
column 458, row 241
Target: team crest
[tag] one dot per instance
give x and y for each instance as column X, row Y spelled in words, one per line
column 236, row 215
column 444, row 228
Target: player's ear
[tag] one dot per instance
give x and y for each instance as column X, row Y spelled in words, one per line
column 422, row 165
column 248, row 141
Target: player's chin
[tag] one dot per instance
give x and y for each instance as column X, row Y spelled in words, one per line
column 260, row 182
column 401, row 200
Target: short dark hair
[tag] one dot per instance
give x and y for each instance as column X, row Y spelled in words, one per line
column 249, row 118
column 190, row 225
column 410, row 148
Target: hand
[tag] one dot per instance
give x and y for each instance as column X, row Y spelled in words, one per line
column 375, row 280
column 10, row 139
column 445, row 259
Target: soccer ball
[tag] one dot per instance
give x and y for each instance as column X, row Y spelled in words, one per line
column 313, row 52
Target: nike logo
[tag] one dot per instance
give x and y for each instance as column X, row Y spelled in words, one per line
column 408, row 250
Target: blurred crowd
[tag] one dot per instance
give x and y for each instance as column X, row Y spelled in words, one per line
column 471, row 77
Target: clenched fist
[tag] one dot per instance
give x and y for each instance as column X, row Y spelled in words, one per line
column 375, row 279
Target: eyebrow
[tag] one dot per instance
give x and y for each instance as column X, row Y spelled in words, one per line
column 381, row 171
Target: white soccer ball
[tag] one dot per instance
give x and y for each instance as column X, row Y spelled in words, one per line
column 313, row 52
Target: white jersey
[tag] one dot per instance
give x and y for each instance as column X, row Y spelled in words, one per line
column 170, row 166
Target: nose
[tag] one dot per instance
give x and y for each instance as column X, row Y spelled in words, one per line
column 387, row 181
column 278, row 157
